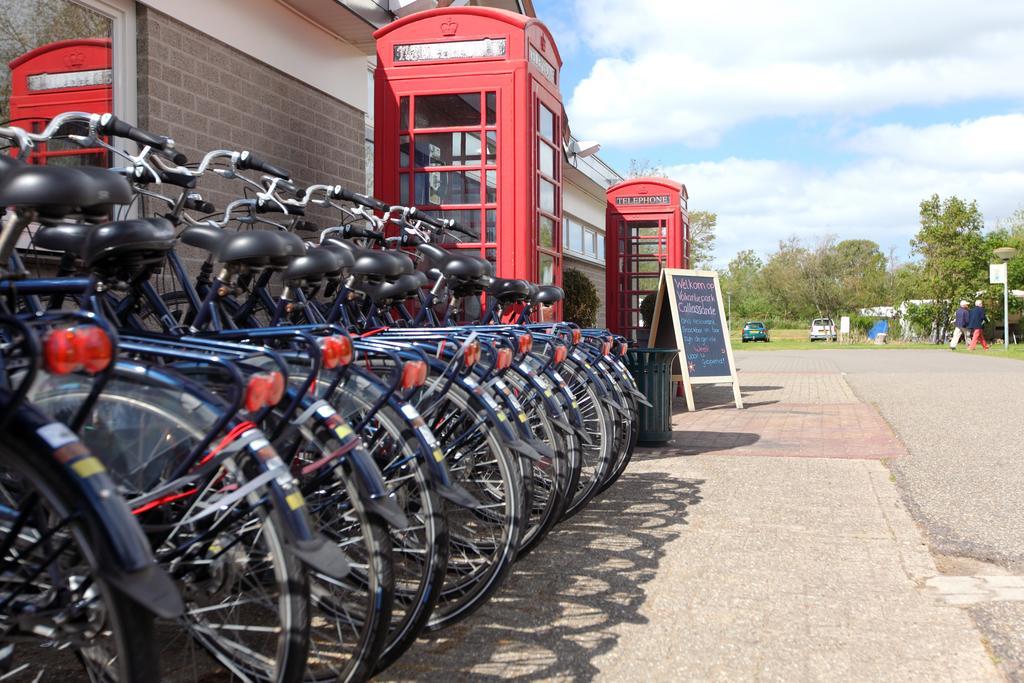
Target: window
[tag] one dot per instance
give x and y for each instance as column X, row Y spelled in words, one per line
column 548, row 209
column 447, row 155
column 583, row 239
column 79, row 73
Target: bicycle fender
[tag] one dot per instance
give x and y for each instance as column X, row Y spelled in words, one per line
column 127, row 563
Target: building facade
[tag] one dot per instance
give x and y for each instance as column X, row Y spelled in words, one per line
column 291, row 80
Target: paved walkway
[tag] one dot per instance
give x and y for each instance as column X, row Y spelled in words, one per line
column 758, row 545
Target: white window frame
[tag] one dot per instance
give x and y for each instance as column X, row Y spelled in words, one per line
column 589, row 232
column 123, row 54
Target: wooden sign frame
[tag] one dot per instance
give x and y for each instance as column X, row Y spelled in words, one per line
column 666, row 298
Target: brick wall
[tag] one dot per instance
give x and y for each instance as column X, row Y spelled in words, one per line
column 596, row 274
column 207, row 95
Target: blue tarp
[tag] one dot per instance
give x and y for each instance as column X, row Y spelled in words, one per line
column 880, row 327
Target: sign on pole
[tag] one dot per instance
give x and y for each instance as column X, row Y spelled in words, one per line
column 997, row 273
column 691, row 300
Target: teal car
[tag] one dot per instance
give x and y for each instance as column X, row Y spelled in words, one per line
column 754, row 331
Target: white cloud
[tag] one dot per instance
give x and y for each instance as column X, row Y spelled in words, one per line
column 993, row 143
column 688, row 72
column 760, row 202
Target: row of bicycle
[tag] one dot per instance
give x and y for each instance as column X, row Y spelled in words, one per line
column 290, row 465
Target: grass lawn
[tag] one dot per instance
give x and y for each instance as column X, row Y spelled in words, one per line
column 796, row 340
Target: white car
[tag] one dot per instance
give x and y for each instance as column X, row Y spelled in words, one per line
column 823, row 328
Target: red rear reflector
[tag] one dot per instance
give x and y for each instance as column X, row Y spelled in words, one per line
column 263, row 389
column 606, row 348
column 560, row 353
column 85, row 347
column 95, row 348
column 347, row 352
column 525, row 343
column 577, row 336
column 276, row 388
column 471, row 354
column 414, row 374
column 623, row 348
column 330, row 354
column 504, row 359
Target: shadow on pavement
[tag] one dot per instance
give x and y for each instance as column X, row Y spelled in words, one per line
column 558, row 611
column 695, row 442
column 719, row 396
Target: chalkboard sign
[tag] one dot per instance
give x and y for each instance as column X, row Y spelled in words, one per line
column 692, row 300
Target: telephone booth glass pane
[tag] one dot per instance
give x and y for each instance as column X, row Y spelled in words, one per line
column 443, row 111
column 549, row 258
column 452, row 172
column 643, row 252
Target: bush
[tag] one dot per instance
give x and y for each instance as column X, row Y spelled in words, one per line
column 647, row 308
column 581, row 299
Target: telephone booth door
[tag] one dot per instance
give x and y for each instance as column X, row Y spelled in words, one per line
column 469, row 126
column 68, row 75
column 647, row 230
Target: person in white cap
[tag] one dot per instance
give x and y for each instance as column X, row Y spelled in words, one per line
column 975, row 322
column 960, row 329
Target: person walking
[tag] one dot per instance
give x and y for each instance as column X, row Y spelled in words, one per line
column 976, row 321
column 960, row 326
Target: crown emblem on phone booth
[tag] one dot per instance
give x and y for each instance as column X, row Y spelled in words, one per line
column 74, row 59
column 449, row 27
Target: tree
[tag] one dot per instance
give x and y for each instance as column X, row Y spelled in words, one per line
column 702, row 238
column 743, row 280
column 955, row 264
column 643, row 168
column 581, row 298
column 863, row 273
column 783, row 280
column 823, row 278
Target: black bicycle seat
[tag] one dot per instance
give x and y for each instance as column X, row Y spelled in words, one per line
column 509, row 290
column 313, row 267
column 134, row 242
column 549, row 294
column 205, row 237
column 54, row 191
column 345, row 257
column 452, row 264
column 109, row 187
column 294, row 247
column 63, row 237
column 434, row 254
column 404, row 287
column 253, row 248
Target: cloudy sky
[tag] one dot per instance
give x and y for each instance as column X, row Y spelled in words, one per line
column 803, row 117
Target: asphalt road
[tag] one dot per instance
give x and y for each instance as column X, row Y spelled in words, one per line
column 961, row 417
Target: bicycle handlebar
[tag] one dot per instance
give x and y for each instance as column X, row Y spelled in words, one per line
column 109, row 124
column 246, row 161
column 361, row 199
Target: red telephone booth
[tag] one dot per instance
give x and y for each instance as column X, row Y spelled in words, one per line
column 468, row 125
column 647, row 228
column 68, row 75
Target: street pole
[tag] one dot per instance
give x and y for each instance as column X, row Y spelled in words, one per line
column 1006, row 315
column 728, row 317
column 1005, row 254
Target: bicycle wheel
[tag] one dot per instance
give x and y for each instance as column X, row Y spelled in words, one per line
column 246, row 595
column 483, row 540
column 550, row 479
column 626, row 425
column 420, row 551
column 352, row 614
column 58, row 615
column 597, row 455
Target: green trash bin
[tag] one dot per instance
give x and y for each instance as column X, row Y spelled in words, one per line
column 652, row 370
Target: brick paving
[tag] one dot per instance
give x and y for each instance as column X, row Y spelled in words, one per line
column 801, row 564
